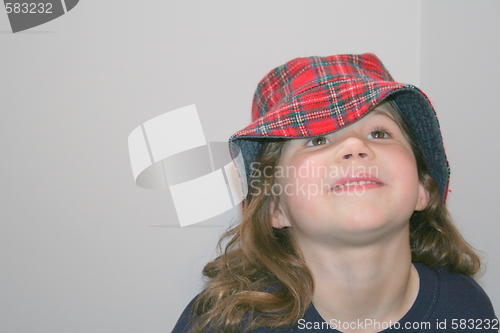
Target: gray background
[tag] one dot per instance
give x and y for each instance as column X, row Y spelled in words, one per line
column 83, row 249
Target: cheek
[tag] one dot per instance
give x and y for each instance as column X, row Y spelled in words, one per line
column 408, row 166
column 302, row 173
column 299, row 184
column 404, row 173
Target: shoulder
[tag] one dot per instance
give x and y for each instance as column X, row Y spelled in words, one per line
column 185, row 321
column 465, row 294
column 458, row 296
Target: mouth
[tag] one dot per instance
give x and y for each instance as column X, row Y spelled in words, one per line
column 365, row 183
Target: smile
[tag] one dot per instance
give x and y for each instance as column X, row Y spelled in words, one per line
column 356, row 183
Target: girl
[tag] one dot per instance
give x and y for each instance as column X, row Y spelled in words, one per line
column 344, row 226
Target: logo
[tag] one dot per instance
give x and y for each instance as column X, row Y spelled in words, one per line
column 170, row 152
column 28, row 14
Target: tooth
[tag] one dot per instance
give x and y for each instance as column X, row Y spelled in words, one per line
column 362, row 182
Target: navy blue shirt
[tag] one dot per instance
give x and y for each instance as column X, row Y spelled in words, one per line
column 445, row 302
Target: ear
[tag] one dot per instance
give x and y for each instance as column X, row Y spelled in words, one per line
column 278, row 218
column 423, row 198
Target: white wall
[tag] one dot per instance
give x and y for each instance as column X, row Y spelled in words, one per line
column 82, row 248
column 460, row 72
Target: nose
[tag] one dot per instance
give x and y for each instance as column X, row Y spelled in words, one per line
column 348, row 156
column 354, row 148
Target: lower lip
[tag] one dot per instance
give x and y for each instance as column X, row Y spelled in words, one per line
column 359, row 189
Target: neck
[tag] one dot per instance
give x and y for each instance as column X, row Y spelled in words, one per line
column 375, row 281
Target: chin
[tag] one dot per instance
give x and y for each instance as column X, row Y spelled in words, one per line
column 366, row 221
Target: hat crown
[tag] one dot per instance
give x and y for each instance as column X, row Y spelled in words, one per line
column 301, row 74
column 318, row 95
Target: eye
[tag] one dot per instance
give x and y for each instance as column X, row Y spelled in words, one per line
column 379, row 133
column 317, row 141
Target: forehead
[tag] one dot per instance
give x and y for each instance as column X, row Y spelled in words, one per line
column 387, row 108
column 378, row 113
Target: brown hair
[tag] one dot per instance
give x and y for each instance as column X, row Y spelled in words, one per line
column 260, row 280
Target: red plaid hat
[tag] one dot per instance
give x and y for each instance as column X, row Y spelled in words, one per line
column 318, row 95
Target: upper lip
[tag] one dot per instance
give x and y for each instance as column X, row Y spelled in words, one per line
column 352, row 179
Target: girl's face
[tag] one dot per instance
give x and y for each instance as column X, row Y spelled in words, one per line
column 357, row 184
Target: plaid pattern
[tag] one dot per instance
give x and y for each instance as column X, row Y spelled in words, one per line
column 318, row 95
